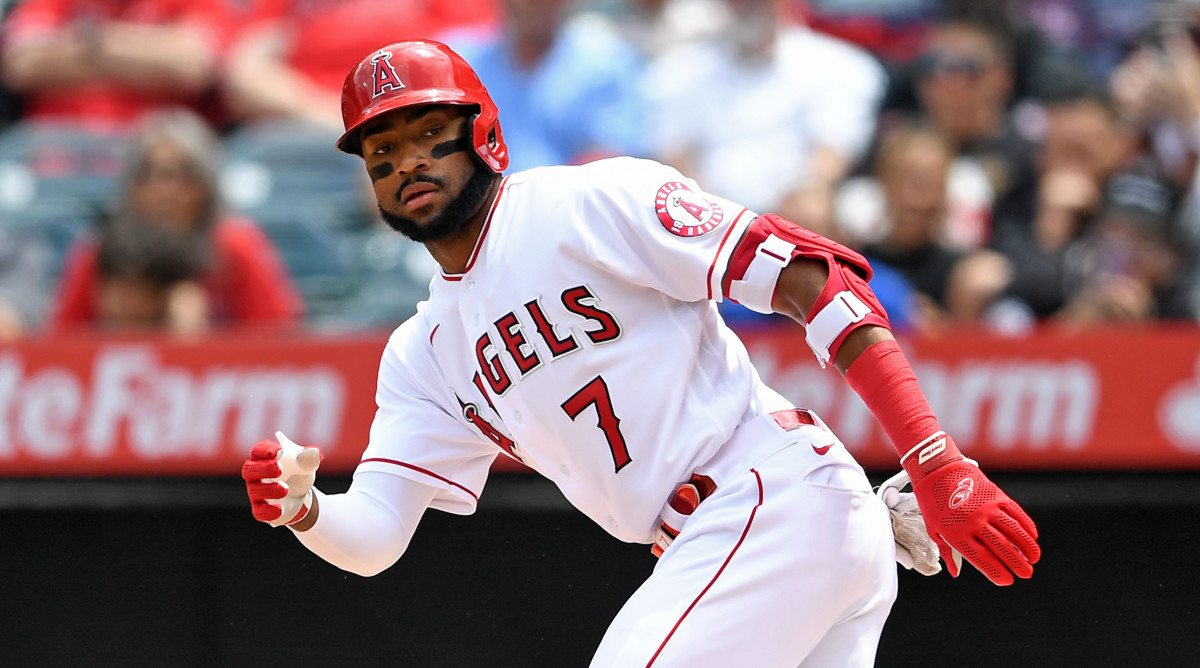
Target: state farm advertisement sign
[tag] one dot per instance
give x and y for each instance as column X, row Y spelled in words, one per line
column 152, row 407
column 1113, row 399
column 1118, row 399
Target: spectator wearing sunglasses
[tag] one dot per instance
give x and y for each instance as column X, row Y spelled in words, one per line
column 964, row 85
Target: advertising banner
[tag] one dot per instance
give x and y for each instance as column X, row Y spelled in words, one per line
column 157, row 407
column 1115, row 399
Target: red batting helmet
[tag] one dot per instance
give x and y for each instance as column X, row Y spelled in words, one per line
column 406, row 74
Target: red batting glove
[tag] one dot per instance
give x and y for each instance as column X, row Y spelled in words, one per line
column 279, row 477
column 967, row 513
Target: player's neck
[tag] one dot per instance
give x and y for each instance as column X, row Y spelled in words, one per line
column 454, row 252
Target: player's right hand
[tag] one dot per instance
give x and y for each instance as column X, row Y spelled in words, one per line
column 279, row 477
column 967, row 514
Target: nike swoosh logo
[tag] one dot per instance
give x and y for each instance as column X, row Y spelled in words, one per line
column 823, row 449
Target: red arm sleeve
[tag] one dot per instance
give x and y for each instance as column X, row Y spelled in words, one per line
column 882, row 376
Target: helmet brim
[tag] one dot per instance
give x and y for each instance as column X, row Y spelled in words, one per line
column 350, row 143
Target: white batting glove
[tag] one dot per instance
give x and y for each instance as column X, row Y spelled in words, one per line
column 279, row 477
column 915, row 550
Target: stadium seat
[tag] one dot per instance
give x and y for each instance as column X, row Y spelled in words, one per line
column 49, row 224
column 293, row 166
column 46, row 162
column 33, row 245
column 314, row 203
column 319, row 257
column 394, row 275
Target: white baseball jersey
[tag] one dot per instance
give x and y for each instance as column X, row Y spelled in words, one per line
column 583, row 339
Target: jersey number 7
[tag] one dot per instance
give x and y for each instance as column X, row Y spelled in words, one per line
column 595, row 393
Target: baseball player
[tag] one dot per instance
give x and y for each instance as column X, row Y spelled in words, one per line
column 573, row 327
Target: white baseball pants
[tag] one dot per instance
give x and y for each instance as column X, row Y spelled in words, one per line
column 791, row 562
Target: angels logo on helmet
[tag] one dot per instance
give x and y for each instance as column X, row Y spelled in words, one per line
column 385, row 76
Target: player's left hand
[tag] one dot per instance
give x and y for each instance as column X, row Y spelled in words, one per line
column 279, row 477
column 967, row 514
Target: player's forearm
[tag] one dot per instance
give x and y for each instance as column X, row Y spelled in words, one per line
column 884, row 380
column 881, row 375
column 857, row 342
column 361, row 532
column 797, row 290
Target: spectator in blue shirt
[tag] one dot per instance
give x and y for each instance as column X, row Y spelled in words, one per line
column 568, row 86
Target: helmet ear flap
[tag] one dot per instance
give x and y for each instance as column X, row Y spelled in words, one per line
column 489, row 142
column 479, row 144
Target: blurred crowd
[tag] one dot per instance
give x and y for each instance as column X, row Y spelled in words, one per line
column 169, row 164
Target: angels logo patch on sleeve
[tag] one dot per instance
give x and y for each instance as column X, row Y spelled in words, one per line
column 686, row 213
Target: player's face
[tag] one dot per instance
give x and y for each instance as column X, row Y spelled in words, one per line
column 423, row 172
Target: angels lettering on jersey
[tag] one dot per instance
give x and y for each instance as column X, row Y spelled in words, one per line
column 584, row 280
column 511, row 343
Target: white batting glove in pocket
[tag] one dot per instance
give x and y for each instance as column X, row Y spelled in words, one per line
column 915, row 550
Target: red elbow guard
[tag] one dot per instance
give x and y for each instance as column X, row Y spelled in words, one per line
column 845, row 304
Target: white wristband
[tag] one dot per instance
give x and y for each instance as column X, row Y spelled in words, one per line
column 843, row 310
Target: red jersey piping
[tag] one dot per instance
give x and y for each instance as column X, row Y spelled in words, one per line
column 427, row 472
column 712, row 267
column 482, row 233
column 720, row 570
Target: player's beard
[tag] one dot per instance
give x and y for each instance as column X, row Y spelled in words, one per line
column 453, row 218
